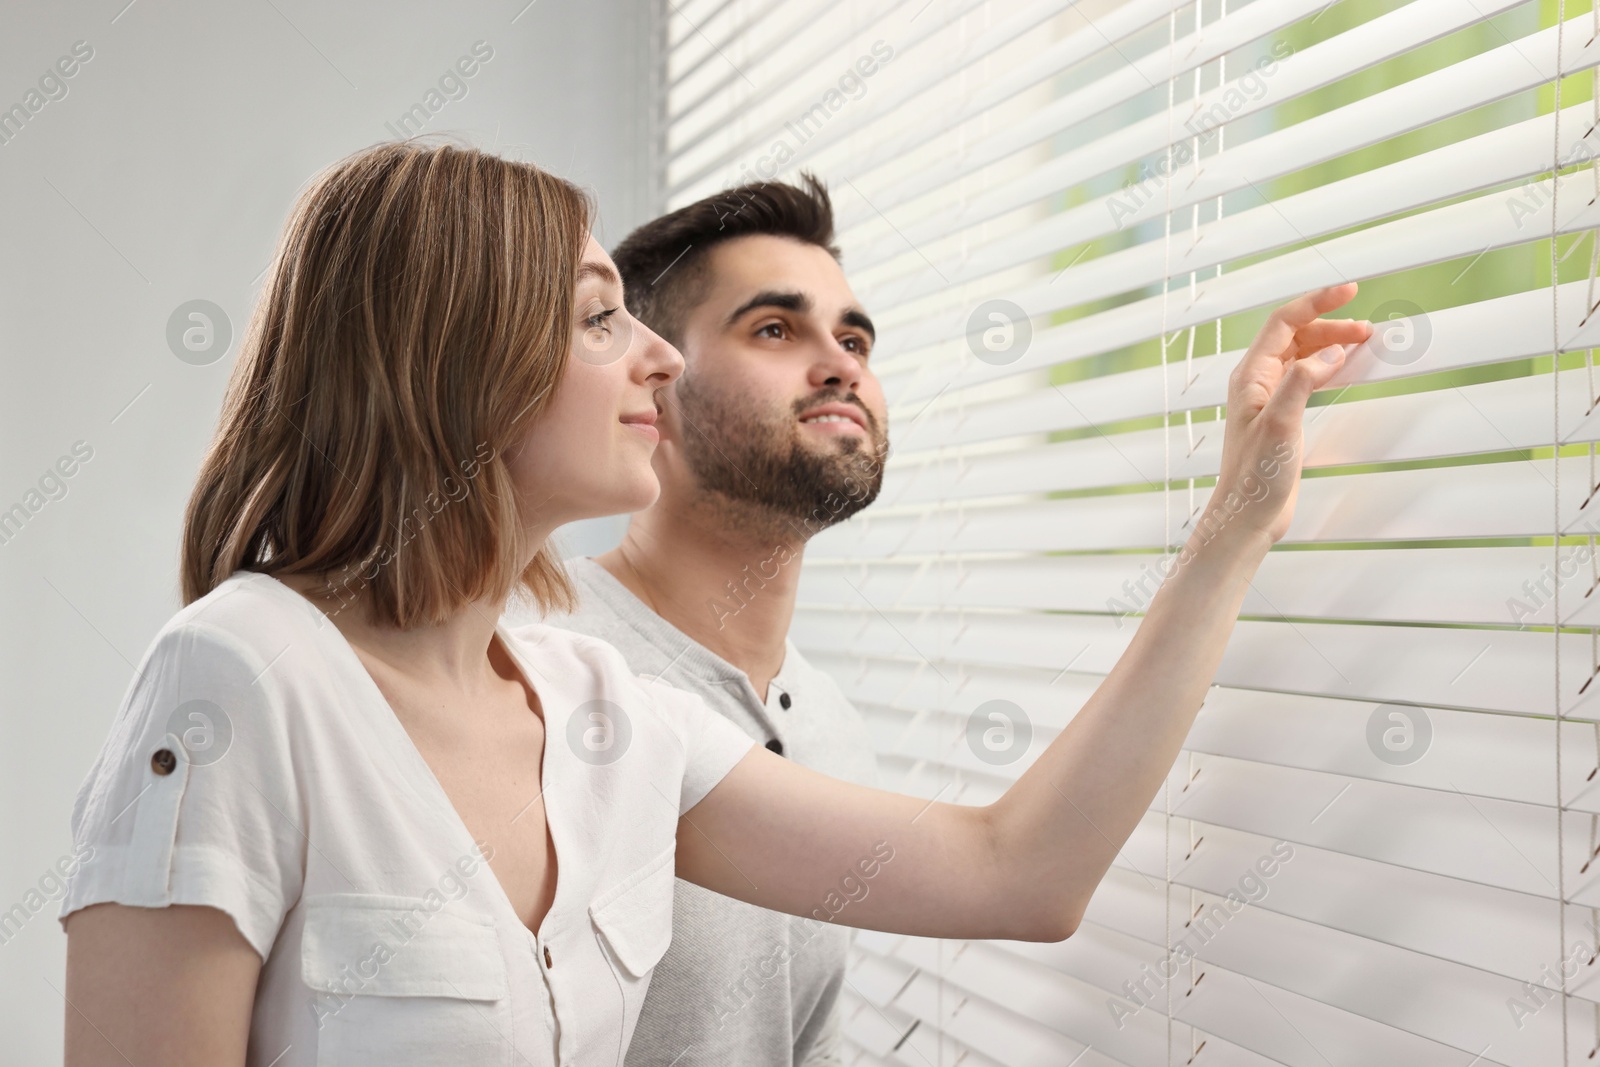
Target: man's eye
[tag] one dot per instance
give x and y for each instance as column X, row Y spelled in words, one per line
column 774, row 326
column 856, row 344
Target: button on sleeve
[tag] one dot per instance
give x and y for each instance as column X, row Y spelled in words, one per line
column 193, row 798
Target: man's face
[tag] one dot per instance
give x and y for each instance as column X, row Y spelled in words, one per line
column 777, row 406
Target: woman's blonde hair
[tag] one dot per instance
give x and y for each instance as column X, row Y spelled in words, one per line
column 415, row 321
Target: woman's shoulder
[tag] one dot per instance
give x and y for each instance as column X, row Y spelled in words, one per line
column 583, row 658
column 599, row 701
column 593, row 667
column 248, row 617
column 203, row 758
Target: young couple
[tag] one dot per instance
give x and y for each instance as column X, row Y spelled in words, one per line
column 353, row 812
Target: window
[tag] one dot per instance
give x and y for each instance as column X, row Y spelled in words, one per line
column 1068, row 220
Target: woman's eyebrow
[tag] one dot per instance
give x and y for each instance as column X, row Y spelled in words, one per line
column 602, row 271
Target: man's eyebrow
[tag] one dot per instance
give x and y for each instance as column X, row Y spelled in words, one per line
column 602, row 271
column 770, row 298
column 797, row 301
column 858, row 318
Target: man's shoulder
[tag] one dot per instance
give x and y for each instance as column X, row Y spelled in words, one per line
column 607, row 610
column 604, row 606
column 835, row 737
column 821, row 686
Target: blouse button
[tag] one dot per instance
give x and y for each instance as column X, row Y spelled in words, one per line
column 163, row 762
column 783, row 699
column 775, row 746
column 547, row 961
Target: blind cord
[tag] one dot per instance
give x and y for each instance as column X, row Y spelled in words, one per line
column 1166, row 494
column 1555, row 604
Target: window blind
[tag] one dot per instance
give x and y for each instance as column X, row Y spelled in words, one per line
column 1068, row 220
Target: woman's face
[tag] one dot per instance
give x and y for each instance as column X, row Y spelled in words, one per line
column 589, row 452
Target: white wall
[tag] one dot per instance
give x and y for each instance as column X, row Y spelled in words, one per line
column 162, row 176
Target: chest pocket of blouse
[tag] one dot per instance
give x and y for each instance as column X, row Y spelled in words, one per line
column 398, row 984
column 633, row 920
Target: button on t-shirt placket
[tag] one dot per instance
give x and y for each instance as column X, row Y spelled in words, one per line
column 776, row 744
column 546, row 961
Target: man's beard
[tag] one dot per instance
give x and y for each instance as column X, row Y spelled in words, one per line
column 760, row 462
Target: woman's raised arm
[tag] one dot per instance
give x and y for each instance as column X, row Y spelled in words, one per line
column 778, row 835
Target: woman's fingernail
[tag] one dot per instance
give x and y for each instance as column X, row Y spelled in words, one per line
column 1332, row 355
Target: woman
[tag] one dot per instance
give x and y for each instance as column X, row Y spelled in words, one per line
column 347, row 815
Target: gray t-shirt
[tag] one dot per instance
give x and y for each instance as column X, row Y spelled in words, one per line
column 739, row 984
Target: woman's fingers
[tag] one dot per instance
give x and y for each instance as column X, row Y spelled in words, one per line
column 1291, row 333
column 1281, row 326
column 1324, row 332
column 1302, row 378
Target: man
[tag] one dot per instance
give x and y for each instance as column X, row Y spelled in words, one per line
column 775, row 431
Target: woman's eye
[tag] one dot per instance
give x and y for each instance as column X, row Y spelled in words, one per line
column 598, row 321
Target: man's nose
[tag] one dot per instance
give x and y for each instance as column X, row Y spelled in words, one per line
column 836, row 366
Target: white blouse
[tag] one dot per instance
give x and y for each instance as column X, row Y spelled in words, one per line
column 256, row 767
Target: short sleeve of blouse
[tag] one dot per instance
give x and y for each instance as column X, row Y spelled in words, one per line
column 193, row 797
column 712, row 744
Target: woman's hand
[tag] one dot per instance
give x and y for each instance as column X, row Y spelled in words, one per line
column 1294, row 354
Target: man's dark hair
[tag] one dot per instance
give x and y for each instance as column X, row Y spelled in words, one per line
column 663, row 262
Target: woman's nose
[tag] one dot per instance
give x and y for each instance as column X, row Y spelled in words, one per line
column 658, row 356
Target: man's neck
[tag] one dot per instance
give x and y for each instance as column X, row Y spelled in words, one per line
column 732, row 592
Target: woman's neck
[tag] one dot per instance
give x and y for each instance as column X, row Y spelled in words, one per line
column 456, row 652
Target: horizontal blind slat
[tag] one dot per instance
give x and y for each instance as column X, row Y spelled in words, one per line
column 1402, row 664
column 1494, row 930
column 1108, row 30
column 1466, row 420
column 734, row 85
column 1103, row 954
column 1496, row 757
column 1509, row 154
column 1063, row 1007
column 1386, row 36
column 1510, row 498
column 1504, row 328
column 1486, row 586
column 890, row 99
column 696, row 122
column 693, row 41
column 1367, row 978
column 1461, row 230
